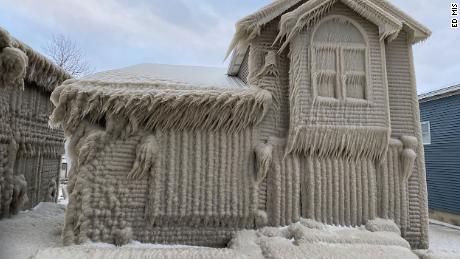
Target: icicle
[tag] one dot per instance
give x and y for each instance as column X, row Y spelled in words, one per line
column 160, row 106
column 312, row 11
column 270, row 69
column 89, row 149
column 146, row 156
column 408, row 155
column 305, row 16
column 264, row 159
column 389, row 25
column 250, row 27
column 339, row 141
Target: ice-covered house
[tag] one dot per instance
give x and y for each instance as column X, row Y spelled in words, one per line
column 30, row 151
column 317, row 118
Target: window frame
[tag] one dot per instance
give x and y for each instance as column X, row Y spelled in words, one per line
column 339, row 49
column 429, row 132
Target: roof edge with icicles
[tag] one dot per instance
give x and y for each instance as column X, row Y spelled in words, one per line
column 386, row 16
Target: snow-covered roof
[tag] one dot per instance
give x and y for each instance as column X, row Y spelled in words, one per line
column 441, row 93
column 136, row 95
column 193, row 75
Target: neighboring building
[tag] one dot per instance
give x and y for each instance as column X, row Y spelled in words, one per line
column 317, row 118
column 64, row 169
column 440, row 118
column 30, row 152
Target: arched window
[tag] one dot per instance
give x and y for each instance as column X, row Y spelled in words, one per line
column 339, row 56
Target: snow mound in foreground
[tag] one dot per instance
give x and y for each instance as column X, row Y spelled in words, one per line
column 37, row 232
column 305, row 239
column 95, row 252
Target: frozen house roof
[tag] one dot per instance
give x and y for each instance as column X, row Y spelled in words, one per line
column 194, row 75
column 142, row 98
column 296, row 15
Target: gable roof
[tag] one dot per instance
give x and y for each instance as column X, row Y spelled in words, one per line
column 39, row 70
column 386, row 16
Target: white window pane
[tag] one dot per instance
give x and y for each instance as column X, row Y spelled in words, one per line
column 354, row 60
column 326, row 84
column 356, row 86
column 426, row 133
column 325, row 59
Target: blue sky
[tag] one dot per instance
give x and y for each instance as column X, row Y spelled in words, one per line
column 116, row 33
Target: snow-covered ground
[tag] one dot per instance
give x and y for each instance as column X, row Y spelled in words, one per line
column 63, row 195
column 444, row 236
column 24, row 234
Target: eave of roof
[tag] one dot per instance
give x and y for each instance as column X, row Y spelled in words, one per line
column 420, row 31
column 439, row 94
column 161, row 104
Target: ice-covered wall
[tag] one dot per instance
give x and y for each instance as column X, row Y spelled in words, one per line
column 192, row 187
column 405, row 121
column 30, row 151
column 356, row 161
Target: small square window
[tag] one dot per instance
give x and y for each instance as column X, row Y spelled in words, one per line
column 356, row 85
column 354, row 60
column 327, row 84
column 426, row 133
column 326, row 59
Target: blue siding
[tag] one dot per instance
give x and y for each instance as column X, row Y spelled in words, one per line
column 443, row 155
